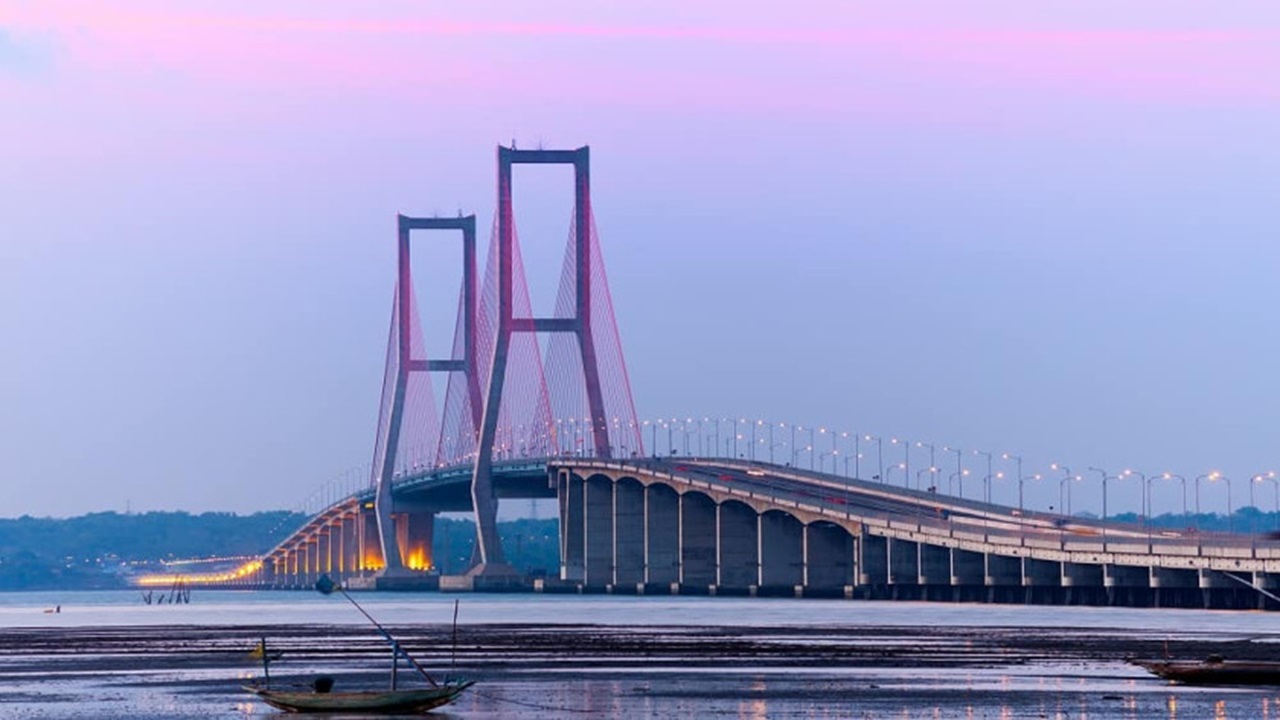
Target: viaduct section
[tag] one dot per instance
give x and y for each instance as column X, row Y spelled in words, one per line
column 731, row 528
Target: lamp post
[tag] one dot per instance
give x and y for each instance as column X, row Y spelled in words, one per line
column 896, row 466
column 1210, row 476
column 1145, row 493
column 879, row 455
column 906, row 458
column 835, row 458
column 1260, row 477
column 932, row 463
column 1064, row 499
column 960, row 473
column 1275, row 484
column 1105, row 478
column 1018, row 462
column 931, row 470
column 987, row 479
column 959, row 478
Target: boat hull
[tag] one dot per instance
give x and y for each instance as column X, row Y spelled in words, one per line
column 1223, row 672
column 370, row 702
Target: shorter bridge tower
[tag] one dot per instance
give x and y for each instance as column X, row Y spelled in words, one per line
column 401, row 364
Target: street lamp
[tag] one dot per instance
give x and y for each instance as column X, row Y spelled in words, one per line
column 1018, row 461
column 906, row 458
column 960, row 473
column 1105, row 478
column 932, row 463
column 931, row 470
column 987, row 479
column 1211, row 477
column 1064, row 488
column 835, row 458
column 879, row 455
column 1276, row 486
column 897, row 466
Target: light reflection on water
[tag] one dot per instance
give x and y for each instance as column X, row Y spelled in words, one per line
column 210, row 607
column 1075, row 691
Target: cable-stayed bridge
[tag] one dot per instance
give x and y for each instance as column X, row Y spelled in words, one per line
column 541, row 407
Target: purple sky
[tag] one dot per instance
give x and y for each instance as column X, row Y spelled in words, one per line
column 1047, row 228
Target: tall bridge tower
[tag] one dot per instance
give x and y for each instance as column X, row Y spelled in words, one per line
column 510, row 394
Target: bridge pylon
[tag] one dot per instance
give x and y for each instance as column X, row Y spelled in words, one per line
column 405, row 365
column 491, row 557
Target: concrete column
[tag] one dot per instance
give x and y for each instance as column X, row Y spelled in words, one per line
column 628, row 533
column 662, row 537
column 306, row 562
column 697, row 542
column 370, row 543
column 291, row 567
column 738, row 546
column 414, row 539
column 572, row 527
column 828, row 558
column 968, row 568
column 322, row 551
column 873, row 560
column 781, row 539
column 350, row 545
column 1003, row 570
column 904, row 562
column 598, row 531
column 935, row 565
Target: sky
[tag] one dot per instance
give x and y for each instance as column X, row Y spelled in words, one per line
column 1045, row 228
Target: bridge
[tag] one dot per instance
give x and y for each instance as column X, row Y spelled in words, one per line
column 527, row 419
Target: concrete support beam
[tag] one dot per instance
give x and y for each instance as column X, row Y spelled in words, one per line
column 738, row 546
column 697, row 542
column 662, row 537
column 414, row 534
column 934, row 565
column 828, row 558
column 628, row 533
column 968, row 568
column 598, row 532
column 322, row 551
column 873, row 560
column 1077, row 575
column 572, row 497
column 1041, row 573
column 370, row 543
column 781, row 542
column 904, row 562
column 1003, row 570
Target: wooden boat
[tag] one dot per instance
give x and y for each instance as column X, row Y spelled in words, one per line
column 321, row 699
column 371, row 702
column 1214, row 670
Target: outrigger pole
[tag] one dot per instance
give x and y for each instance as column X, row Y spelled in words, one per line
column 327, row 586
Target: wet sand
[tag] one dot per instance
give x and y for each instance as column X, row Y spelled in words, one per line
column 527, row 671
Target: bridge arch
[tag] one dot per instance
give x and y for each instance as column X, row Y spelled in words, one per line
column 629, row 532
column 829, row 557
column 738, row 546
column 662, row 535
column 697, row 540
column 781, row 549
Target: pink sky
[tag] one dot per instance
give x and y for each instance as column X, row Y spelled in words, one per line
column 1046, row 226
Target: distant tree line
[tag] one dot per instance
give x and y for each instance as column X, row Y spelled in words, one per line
column 94, row 551
column 88, row 551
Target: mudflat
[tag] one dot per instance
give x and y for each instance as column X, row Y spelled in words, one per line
column 544, row 671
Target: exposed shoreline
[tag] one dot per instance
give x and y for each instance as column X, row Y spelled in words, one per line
column 791, row 666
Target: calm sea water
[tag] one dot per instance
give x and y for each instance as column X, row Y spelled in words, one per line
column 1075, row 691
column 125, row 607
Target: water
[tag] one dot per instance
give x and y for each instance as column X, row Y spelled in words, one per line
column 723, row 657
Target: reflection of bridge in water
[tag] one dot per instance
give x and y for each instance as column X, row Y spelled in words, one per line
column 636, row 525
